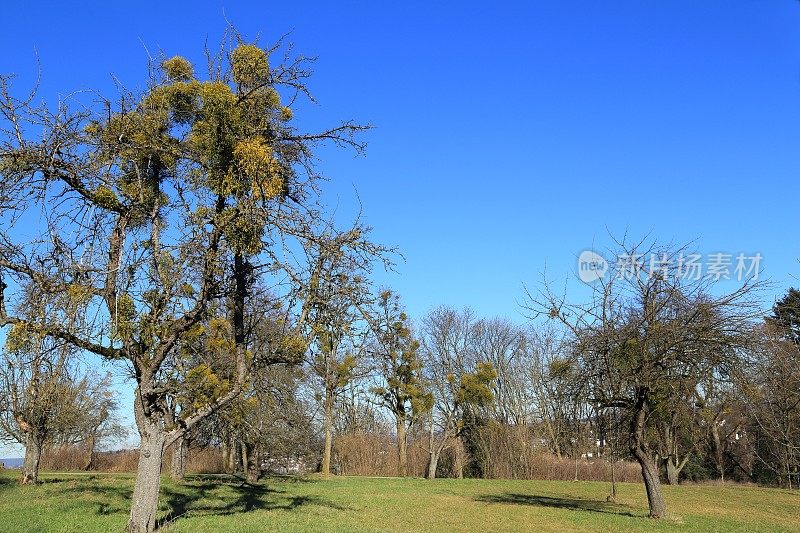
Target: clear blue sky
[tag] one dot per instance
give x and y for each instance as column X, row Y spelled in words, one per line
column 509, row 135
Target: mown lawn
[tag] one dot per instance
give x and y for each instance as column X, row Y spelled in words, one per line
column 88, row 503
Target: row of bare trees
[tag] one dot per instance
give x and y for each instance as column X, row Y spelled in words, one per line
column 685, row 379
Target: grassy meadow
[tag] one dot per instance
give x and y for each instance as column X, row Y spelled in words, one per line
column 99, row 503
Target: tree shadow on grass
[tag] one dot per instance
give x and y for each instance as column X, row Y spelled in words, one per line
column 109, row 499
column 572, row 504
column 200, row 497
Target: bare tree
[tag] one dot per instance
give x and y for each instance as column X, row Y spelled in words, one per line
column 337, row 292
column 770, row 387
column 98, row 423
column 551, row 388
column 456, row 378
column 503, row 345
column 646, row 331
column 401, row 389
column 36, row 396
column 46, row 400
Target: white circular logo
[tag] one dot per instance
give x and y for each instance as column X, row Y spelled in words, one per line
column 591, row 266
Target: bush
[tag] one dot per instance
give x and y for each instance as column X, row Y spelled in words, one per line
column 76, row 458
column 373, row 454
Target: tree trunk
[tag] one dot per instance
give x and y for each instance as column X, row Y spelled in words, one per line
column 144, row 505
column 230, row 451
column 674, row 468
column 225, row 456
column 435, row 451
column 672, row 471
column 33, row 457
column 652, row 484
column 245, row 458
column 655, row 497
column 613, row 496
column 576, row 467
column 553, row 439
column 718, row 456
column 180, row 455
column 402, row 456
column 326, row 454
column 91, row 445
column 253, row 465
column 458, row 459
column 433, row 463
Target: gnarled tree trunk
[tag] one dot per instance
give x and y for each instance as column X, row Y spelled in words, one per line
column 652, row 484
column 33, row 457
column 655, row 496
column 251, row 462
column 153, row 437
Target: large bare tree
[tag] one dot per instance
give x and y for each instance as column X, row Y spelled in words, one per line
column 155, row 205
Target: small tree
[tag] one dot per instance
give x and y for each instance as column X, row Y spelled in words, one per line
column 36, row 393
column 402, row 390
column 337, row 291
column 45, row 400
column 644, row 335
column 97, row 423
column 273, row 422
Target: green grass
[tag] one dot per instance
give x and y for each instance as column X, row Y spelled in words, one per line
column 87, row 503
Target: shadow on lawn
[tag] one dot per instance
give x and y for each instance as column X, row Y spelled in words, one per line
column 572, row 504
column 199, row 497
column 110, row 499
